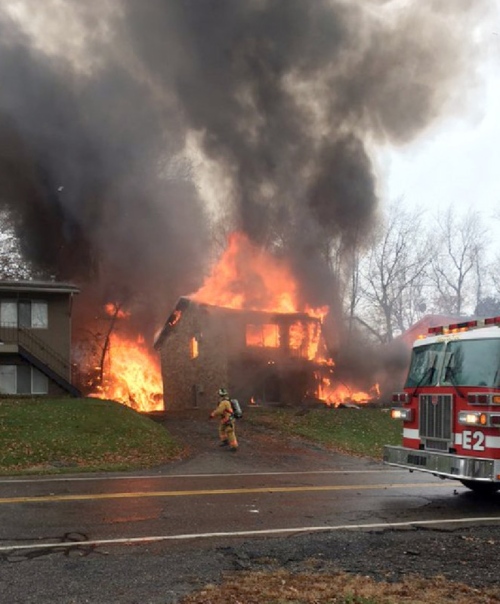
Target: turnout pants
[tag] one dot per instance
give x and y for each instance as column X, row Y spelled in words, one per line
column 227, row 433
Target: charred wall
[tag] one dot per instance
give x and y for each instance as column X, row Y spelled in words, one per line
column 193, row 382
column 224, row 360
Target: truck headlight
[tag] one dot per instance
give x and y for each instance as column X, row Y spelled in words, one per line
column 473, row 418
column 402, row 413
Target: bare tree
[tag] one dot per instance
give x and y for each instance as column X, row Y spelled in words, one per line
column 347, row 272
column 352, row 289
column 394, row 274
column 12, row 264
column 458, row 262
column 489, row 289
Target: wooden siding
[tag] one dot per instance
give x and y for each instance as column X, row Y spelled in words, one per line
column 58, row 334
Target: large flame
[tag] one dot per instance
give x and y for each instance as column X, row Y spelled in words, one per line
column 131, row 375
column 248, row 277
column 338, row 394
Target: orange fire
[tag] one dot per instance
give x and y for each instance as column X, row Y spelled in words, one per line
column 132, row 375
column 266, row 335
column 114, row 310
column 338, row 394
column 247, row 277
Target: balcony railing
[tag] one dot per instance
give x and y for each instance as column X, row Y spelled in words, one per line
column 11, row 334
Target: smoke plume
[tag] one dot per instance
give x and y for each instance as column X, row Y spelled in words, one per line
column 288, row 98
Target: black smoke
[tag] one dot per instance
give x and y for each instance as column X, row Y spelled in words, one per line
column 287, row 97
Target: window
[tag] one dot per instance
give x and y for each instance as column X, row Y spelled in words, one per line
column 31, row 314
column 425, row 365
column 7, row 379
column 39, row 315
column 195, row 350
column 459, row 363
column 22, row 379
column 473, row 363
column 8, row 313
column 303, row 340
column 266, row 335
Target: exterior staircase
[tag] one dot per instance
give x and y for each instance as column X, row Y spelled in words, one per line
column 40, row 355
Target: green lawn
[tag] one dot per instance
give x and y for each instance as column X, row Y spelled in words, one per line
column 70, row 435
column 57, row 435
column 354, row 431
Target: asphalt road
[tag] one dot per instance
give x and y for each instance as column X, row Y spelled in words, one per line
column 152, row 536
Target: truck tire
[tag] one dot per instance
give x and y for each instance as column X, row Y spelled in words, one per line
column 481, row 488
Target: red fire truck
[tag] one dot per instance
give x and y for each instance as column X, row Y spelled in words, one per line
column 450, row 406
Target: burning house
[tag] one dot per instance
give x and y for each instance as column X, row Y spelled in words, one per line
column 260, row 356
column 244, row 329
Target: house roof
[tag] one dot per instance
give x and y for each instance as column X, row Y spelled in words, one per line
column 38, row 286
column 184, row 302
column 172, row 320
column 421, row 326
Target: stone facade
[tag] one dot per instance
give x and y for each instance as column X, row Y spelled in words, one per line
column 203, row 348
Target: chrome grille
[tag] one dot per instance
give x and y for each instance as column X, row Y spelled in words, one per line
column 435, row 420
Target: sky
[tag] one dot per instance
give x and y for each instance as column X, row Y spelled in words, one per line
column 456, row 162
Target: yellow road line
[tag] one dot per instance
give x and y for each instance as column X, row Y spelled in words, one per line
column 139, row 494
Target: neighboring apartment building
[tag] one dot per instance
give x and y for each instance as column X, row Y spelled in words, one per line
column 35, row 338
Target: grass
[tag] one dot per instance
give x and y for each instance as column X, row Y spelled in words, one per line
column 340, row 588
column 354, row 431
column 66, row 435
column 58, row 435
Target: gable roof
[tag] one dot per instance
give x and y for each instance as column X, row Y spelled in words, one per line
column 173, row 319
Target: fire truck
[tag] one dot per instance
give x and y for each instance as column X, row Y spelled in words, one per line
column 450, row 406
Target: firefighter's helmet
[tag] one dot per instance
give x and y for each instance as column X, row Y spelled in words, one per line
column 223, row 393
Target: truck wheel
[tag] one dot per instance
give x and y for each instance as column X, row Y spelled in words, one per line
column 481, row 488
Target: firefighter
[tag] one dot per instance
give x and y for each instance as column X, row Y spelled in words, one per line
column 224, row 410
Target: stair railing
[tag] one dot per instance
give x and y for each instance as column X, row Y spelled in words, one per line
column 12, row 334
